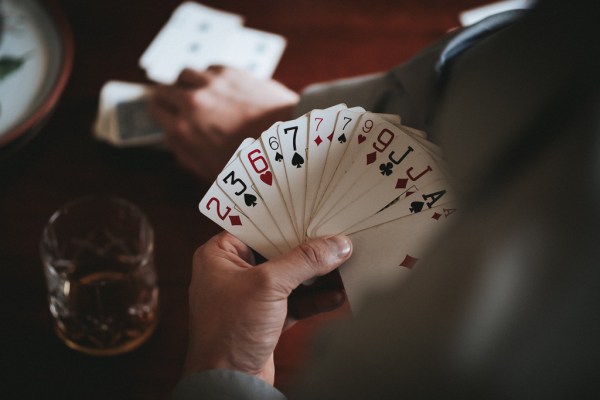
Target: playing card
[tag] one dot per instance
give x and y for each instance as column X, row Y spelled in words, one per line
column 254, row 159
column 217, row 206
column 321, row 125
column 414, row 200
column 105, row 125
column 192, row 37
column 384, row 255
column 342, row 135
column 235, row 182
column 270, row 144
column 255, row 51
column 292, row 138
column 197, row 36
column 134, row 121
column 123, row 118
column 188, row 18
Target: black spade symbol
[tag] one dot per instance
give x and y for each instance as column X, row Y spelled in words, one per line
column 297, row 160
column 416, row 206
column 342, row 138
column 250, row 200
column 278, row 157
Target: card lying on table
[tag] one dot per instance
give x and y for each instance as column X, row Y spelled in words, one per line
column 337, row 171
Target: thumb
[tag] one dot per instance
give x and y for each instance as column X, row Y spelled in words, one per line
column 309, row 260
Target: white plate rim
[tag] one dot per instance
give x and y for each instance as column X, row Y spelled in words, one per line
column 62, row 28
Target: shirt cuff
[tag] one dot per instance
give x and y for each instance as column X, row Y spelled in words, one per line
column 219, row 384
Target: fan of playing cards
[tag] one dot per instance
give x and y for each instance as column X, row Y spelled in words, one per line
column 336, row 171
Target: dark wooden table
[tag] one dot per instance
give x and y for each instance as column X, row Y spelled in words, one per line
column 326, row 40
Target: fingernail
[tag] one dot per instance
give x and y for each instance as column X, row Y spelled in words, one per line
column 343, row 244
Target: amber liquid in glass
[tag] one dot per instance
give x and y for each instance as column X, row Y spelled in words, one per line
column 105, row 311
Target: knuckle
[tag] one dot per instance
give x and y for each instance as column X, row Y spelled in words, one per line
column 312, row 254
column 180, row 127
column 200, row 100
column 205, row 252
column 216, row 242
column 191, row 100
column 198, row 262
column 178, row 130
column 222, row 241
column 199, row 255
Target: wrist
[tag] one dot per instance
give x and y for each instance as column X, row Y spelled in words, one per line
column 201, row 362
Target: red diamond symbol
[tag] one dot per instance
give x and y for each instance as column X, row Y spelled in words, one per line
column 371, row 157
column 318, row 140
column 235, row 220
column 401, row 183
column 409, row 262
column 411, row 190
column 330, row 137
column 436, row 216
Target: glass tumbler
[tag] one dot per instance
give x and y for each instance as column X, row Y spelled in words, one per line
column 97, row 254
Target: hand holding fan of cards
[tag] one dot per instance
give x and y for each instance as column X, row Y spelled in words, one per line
column 336, row 171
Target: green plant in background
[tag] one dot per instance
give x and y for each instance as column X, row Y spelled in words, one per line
column 9, row 64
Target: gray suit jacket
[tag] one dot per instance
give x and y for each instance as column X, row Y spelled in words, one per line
column 507, row 303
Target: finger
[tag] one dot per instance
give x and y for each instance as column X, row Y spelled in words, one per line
column 224, row 246
column 190, row 78
column 219, row 69
column 176, row 98
column 215, row 69
column 175, row 131
column 311, row 259
column 232, row 245
column 174, row 127
column 163, row 115
column 163, row 107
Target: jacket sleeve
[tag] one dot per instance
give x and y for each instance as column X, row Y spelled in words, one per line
column 405, row 90
column 219, row 384
column 410, row 89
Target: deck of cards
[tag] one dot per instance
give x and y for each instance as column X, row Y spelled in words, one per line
column 123, row 119
column 337, row 171
column 195, row 36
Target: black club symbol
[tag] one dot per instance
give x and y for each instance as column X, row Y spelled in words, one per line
column 386, row 169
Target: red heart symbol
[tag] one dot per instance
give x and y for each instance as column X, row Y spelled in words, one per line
column 267, row 178
column 361, row 139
